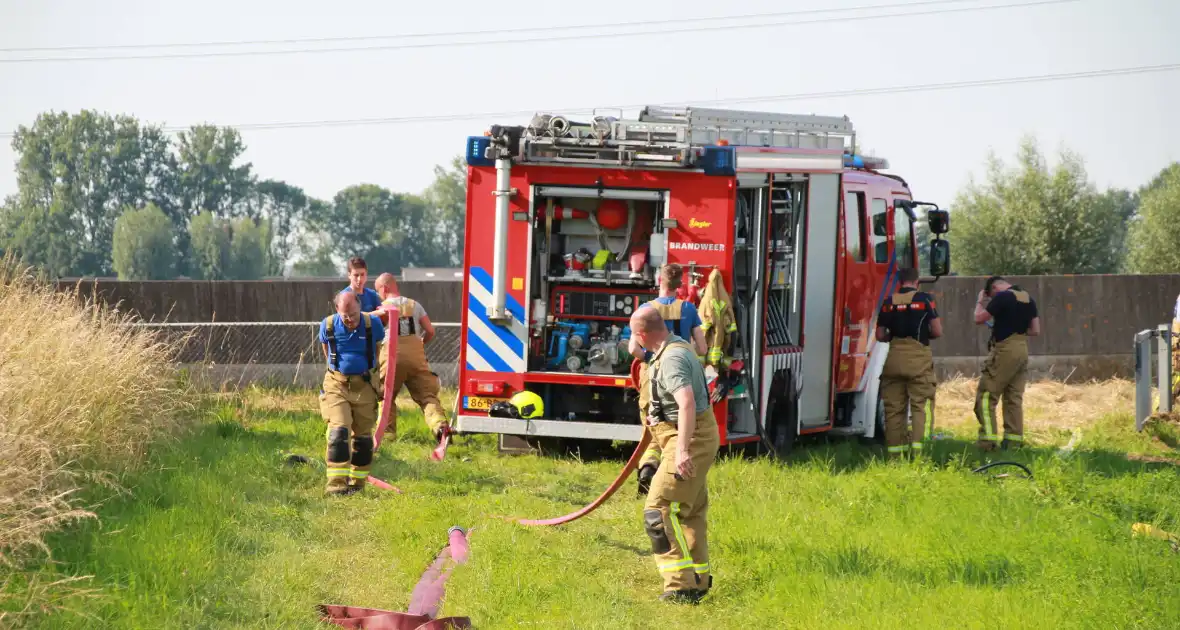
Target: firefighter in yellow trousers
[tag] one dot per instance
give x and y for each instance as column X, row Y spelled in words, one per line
column 414, row 331
column 1013, row 314
column 348, row 398
column 682, row 319
column 681, row 422
column 908, row 321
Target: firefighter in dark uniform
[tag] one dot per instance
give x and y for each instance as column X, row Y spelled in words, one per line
column 908, row 321
column 351, row 387
column 1013, row 316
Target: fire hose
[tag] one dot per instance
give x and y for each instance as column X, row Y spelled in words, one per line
column 1027, row 473
column 630, row 466
column 614, row 487
column 388, row 416
column 425, row 599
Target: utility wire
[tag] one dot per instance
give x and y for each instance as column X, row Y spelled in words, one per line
column 900, row 89
column 529, row 40
column 483, row 32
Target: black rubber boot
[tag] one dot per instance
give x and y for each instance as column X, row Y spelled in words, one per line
column 690, row 596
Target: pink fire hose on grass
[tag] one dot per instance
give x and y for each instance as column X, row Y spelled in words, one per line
column 631, row 465
column 425, row 599
column 614, row 487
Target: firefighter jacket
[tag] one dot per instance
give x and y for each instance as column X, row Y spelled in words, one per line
column 717, row 319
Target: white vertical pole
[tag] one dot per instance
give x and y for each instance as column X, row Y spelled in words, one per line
column 1142, row 378
column 497, row 311
column 1164, row 349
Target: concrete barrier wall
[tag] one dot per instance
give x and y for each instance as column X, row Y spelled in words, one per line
column 1088, row 322
column 1080, row 315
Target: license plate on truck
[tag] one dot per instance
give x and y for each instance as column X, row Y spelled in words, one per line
column 480, row 403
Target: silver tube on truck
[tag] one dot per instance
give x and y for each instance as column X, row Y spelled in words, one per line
column 497, row 311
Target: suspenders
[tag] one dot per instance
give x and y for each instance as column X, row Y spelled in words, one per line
column 334, row 355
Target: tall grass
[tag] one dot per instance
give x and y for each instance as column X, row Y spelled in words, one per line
column 81, row 396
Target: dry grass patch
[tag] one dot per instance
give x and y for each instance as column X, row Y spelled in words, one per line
column 81, row 395
column 1049, row 406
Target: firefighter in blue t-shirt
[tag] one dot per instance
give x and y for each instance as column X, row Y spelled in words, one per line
column 351, row 387
column 683, row 320
column 358, row 276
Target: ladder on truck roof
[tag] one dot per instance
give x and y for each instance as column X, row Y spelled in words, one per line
column 675, row 137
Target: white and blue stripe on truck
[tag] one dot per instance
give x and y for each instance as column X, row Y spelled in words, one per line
column 493, row 347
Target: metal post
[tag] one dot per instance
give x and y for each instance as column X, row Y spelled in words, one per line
column 496, row 311
column 1142, row 377
column 1164, row 348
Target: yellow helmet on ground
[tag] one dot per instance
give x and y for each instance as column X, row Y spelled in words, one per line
column 528, row 404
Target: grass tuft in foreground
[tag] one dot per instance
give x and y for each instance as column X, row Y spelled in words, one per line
column 82, row 397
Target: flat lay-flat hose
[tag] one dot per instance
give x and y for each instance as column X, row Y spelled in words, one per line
column 631, row 465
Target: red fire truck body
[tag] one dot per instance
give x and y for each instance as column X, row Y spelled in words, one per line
column 567, row 225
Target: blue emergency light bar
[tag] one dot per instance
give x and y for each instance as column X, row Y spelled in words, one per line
column 477, row 150
column 860, row 161
column 719, row 160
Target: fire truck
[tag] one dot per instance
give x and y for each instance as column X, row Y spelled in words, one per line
column 568, row 223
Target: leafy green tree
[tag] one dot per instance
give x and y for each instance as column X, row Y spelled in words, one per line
column 1031, row 220
column 47, row 237
column 447, row 199
column 317, row 260
column 285, row 209
column 209, row 175
column 316, row 246
column 1123, row 204
column 390, row 230
column 210, row 240
column 75, row 175
column 249, row 243
column 1154, row 241
column 144, row 246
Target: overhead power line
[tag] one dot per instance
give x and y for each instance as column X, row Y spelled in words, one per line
column 531, row 40
column 900, row 89
column 482, row 32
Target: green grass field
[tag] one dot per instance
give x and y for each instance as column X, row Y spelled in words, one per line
column 221, row 534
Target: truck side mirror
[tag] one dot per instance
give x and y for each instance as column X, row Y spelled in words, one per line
column 940, row 258
column 940, row 221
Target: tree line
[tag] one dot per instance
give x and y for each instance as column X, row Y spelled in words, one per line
column 1030, row 219
column 101, row 195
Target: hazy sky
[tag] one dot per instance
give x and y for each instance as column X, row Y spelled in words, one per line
column 1125, row 126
